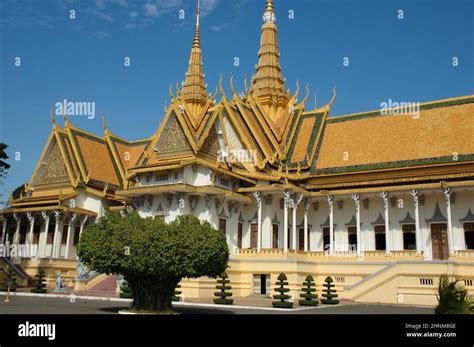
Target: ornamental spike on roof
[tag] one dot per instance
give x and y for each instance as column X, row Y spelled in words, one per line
column 194, row 88
column 268, row 79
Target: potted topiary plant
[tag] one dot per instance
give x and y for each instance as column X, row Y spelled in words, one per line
column 40, row 285
column 282, row 297
column 125, row 291
column 10, row 281
column 329, row 293
column 223, row 295
column 310, row 298
column 176, row 297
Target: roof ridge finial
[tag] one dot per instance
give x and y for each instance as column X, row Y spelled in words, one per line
column 197, row 32
column 269, row 6
column 104, row 124
column 52, row 115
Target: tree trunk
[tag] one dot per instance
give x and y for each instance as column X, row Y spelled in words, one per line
column 152, row 294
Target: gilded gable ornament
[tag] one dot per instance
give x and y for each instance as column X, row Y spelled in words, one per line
column 175, row 140
column 54, row 170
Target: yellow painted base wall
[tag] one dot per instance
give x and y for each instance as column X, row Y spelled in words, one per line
column 375, row 279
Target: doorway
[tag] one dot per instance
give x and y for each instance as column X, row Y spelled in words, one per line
column 275, row 236
column 253, row 235
column 439, row 241
column 261, row 284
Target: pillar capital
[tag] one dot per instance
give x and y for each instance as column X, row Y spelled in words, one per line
column 447, row 194
column 258, row 197
column 72, row 218
column 355, row 197
column 384, row 196
column 57, row 215
column 30, row 217
column 307, row 204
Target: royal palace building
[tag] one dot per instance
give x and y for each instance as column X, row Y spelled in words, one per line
column 382, row 200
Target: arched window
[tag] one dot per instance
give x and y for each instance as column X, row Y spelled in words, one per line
column 409, row 236
column 380, row 237
column 469, row 235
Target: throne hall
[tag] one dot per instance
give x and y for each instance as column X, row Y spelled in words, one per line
column 381, row 201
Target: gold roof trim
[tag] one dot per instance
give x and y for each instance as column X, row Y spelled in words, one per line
column 405, row 188
column 50, row 208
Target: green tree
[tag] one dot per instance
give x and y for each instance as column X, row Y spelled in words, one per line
column 3, row 155
column 153, row 256
column 9, row 278
column 310, row 298
column 453, row 298
column 282, row 297
column 4, row 166
column 224, row 290
column 329, row 293
column 125, row 291
column 40, row 285
column 18, row 191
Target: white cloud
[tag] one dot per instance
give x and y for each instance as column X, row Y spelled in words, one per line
column 207, row 6
column 102, row 35
column 151, row 10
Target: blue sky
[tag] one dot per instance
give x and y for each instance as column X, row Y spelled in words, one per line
column 82, row 59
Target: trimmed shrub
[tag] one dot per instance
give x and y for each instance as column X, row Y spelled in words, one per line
column 125, row 291
column 177, row 293
column 10, row 277
column 329, row 293
column 223, row 295
column 40, row 285
column 310, row 298
column 282, row 297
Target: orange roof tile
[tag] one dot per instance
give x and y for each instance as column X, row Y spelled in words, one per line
column 438, row 132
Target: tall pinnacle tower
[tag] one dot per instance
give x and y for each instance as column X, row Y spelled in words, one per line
column 194, row 88
column 268, row 82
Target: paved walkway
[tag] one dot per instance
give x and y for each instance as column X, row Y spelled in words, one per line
column 51, row 305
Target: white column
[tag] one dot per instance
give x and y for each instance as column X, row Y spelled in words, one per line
column 306, row 209
column 258, row 198
column 296, row 201
column 286, row 202
column 83, row 222
column 16, row 236
column 356, row 198
column 388, row 243
column 3, row 220
column 447, row 195
column 70, row 235
column 418, row 237
column 331, row 224
column 56, row 238
column 43, row 236
column 31, row 219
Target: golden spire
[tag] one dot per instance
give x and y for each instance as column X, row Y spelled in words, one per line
column 194, row 87
column 268, row 81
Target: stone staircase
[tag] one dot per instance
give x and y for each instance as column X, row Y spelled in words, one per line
column 106, row 287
